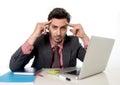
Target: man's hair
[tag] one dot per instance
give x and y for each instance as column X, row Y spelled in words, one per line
column 59, row 13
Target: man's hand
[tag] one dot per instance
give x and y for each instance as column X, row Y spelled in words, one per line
column 78, row 31
column 41, row 28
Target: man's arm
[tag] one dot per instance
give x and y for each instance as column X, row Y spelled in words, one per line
column 85, row 40
column 80, row 33
column 23, row 55
column 39, row 29
column 19, row 60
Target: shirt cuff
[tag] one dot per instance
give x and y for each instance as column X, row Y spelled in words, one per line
column 27, row 48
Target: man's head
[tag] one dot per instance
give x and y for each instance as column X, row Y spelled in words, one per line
column 58, row 27
column 59, row 13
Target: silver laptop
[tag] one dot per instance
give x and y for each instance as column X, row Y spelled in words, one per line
column 96, row 58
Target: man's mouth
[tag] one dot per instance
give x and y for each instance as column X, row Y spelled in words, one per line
column 58, row 37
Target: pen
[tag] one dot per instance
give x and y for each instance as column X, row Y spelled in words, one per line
column 64, row 78
column 38, row 74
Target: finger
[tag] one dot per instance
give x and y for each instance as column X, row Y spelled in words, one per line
column 71, row 25
column 44, row 31
column 47, row 23
column 46, row 27
column 72, row 31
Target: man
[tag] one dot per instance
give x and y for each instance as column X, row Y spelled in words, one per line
column 41, row 44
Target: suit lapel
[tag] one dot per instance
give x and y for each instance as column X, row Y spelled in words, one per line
column 48, row 55
column 48, row 51
column 66, row 52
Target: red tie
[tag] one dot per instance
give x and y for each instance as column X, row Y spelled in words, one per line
column 56, row 58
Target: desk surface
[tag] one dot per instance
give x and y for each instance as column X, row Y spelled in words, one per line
column 108, row 77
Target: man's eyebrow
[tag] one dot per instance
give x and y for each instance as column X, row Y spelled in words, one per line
column 53, row 24
column 64, row 25
column 61, row 26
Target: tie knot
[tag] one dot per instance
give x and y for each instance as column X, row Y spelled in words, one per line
column 56, row 47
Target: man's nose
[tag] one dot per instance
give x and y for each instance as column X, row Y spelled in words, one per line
column 58, row 32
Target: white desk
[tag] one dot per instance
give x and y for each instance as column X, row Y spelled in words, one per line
column 16, row 84
column 108, row 77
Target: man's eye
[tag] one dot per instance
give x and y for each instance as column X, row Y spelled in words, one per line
column 64, row 28
column 54, row 27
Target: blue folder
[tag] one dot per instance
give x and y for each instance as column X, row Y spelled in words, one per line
column 10, row 77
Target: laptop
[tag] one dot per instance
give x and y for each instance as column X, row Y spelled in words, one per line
column 96, row 58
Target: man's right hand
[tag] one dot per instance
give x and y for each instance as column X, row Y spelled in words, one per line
column 39, row 29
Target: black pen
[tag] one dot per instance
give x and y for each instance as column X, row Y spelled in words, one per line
column 64, row 78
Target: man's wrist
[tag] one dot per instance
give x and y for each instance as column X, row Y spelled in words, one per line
column 85, row 40
column 27, row 48
column 32, row 39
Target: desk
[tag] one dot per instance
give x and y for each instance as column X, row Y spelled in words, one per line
column 108, row 77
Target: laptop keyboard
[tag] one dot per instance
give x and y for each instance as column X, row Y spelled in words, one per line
column 74, row 72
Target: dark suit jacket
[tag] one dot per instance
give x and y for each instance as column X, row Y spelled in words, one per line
column 42, row 53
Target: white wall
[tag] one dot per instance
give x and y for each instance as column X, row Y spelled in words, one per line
column 19, row 17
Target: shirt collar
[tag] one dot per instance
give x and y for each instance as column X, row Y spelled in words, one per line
column 53, row 44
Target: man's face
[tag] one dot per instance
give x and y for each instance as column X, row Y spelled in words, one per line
column 58, row 29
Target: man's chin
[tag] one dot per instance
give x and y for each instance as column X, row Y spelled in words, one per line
column 58, row 41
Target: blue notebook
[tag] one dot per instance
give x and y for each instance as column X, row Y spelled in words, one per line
column 10, row 77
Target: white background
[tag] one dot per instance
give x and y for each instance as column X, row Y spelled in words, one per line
column 19, row 17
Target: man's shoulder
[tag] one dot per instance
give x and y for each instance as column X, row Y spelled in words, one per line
column 72, row 41
column 42, row 39
column 71, row 37
column 43, row 36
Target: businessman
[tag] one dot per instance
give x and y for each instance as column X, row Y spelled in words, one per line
column 49, row 44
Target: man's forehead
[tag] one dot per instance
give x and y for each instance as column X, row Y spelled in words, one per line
column 59, row 22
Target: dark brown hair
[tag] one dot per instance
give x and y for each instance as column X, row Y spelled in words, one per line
column 59, row 13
